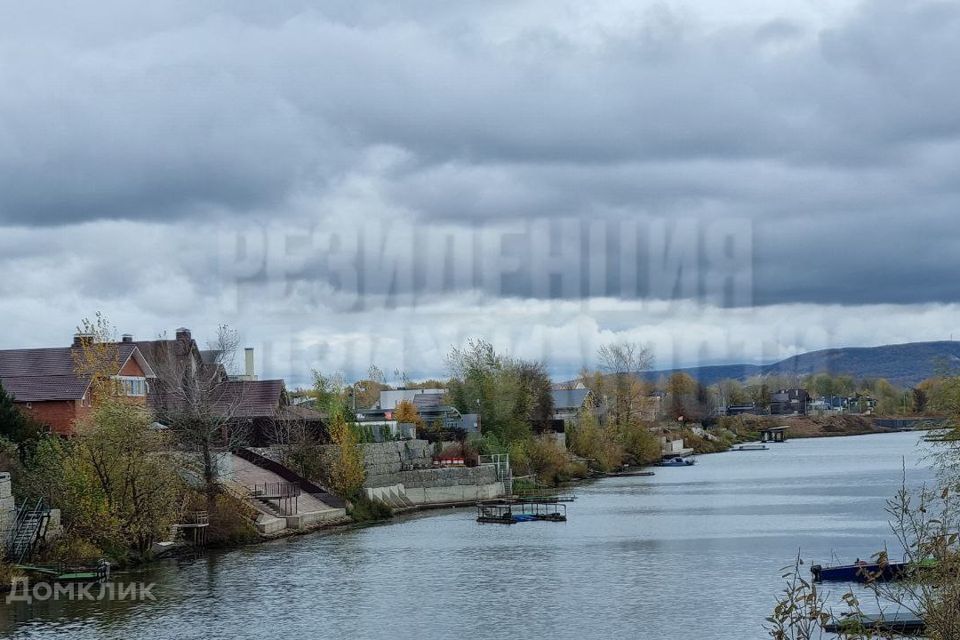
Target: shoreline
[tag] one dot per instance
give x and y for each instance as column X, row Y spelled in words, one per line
column 409, row 512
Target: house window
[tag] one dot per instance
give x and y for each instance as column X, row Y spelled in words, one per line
column 131, row 386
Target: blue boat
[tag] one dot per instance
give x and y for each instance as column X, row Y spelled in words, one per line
column 677, row 462
column 859, row 571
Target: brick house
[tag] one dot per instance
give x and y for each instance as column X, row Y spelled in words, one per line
column 44, row 383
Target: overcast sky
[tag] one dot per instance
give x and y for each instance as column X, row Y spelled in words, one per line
column 734, row 180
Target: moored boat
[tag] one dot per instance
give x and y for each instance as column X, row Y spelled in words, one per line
column 859, row 571
column 898, row 623
column 750, row 447
column 677, row 462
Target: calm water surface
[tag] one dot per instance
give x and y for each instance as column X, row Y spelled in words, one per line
column 689, row 553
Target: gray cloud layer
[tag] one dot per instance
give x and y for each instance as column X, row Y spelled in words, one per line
column 829, row 134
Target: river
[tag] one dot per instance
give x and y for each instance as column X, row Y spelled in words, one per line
column 688, row 553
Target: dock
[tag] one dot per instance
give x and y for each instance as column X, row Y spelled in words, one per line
column 774, row 434
column 193, row 529
column 512, row 511
column 629, row 474
column 92, row 572
column 547, row 499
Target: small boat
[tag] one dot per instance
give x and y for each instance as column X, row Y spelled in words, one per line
column 899, row 623
column 860, row 571
column 750, row 447
column 677, row 462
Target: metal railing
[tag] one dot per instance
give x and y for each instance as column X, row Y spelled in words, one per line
column 275, row 490
column 29, row 528
column 501, row 464
column 316, row 490
column 282, row 495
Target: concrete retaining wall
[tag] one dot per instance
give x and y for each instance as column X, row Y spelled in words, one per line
column 316, row 518
column 8, row 511
column 455, row 493
column 402, row 474
column 399, row 496
column 448, row 477
column 268, row 525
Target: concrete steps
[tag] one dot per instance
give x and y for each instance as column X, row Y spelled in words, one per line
column 310, row 511
column 394, row 496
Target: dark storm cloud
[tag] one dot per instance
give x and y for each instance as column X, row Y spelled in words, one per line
column 835, row 146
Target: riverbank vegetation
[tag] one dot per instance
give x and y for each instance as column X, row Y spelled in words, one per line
column 123, row 482
column 515, row 400
column 926, row 525
column 629, row 412
column 120, row 487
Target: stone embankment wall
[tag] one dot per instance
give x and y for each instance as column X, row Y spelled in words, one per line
column 402, row 474
column 385, row 462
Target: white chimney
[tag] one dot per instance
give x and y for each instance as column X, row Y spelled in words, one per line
column 248, row 364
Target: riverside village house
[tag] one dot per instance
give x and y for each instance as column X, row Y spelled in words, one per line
column 45, row 382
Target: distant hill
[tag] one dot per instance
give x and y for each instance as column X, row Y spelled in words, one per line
column 902, row 364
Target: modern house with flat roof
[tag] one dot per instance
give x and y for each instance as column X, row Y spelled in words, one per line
column 430, row 404
column 789, row 402
column 567, row 404
column 421, row 398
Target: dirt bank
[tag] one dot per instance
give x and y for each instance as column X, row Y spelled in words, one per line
column 807, row 426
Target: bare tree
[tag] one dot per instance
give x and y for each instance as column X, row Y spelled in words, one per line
column 195, row 398
column 299, row 444
column 621, row 364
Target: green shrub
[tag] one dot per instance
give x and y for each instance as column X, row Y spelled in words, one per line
column 700, row 444
column 72, row 549
column 640, row 445
column 600, row 446
column 231, row 523
column 363, row 509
